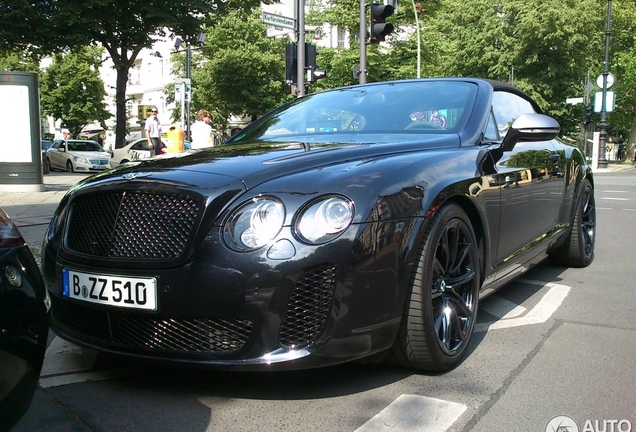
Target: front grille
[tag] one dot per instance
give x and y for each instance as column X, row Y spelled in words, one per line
column 177, row 335
column 99, row 161
column 308, row 307
column 131, row 224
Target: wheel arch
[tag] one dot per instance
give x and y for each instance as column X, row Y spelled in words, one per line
column 478, row 225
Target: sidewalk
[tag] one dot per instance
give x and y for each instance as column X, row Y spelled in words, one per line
column 32, row 211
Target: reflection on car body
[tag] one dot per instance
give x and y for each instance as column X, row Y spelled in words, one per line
column 342, row 225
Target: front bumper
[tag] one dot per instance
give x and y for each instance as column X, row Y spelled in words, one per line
column 325, row 305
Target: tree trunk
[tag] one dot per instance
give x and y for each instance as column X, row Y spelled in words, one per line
column 120, row 103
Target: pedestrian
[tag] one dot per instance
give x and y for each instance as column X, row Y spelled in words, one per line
column 153, row 132
column 201, row 131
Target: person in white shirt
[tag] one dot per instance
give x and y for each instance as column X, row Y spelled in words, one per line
column 201, row 131
column 153, row 132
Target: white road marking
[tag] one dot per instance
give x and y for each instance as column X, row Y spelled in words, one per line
column 66, row 363
column 538, row 314
column 615, row 199
column 64, row 357
column 502, row 308
column 413, row 413
column 78, row 377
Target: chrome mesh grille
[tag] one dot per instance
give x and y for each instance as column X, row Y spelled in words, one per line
column 308, row 307
column 179, row 335
column 131, row 224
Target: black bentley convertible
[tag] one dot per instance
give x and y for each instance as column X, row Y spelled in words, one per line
column 362, row 221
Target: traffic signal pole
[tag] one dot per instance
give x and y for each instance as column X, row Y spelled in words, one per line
column 300, row 52
column 363, row 42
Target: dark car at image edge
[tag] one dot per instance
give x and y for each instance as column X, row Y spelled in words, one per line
column 360, row 222
column 24, row 323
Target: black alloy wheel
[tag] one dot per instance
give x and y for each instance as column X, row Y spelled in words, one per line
column 69, row 166
column 441, row 308
column 578, row 248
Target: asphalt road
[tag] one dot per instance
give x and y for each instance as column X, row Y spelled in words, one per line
column 558, row 342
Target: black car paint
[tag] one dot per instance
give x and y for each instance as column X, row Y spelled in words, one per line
column 396, row 184
column 24, row 324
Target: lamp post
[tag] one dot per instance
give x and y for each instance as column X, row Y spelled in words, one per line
column 602, row 161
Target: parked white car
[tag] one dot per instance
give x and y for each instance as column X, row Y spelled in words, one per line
column 136, row 150
column 77, row 155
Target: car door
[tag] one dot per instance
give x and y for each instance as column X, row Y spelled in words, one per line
column 529, row 192
column 57, row 156
column 139, row 150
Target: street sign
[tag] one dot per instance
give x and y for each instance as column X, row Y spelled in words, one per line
column 574, row 101
column 278, row 20
column 609, row 101
column 178, row 90
column 187, row 81
column 610, row 80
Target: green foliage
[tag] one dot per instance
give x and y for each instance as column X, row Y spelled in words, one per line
column 243, row 76
column 72, row 90
column 122, row 27
column 19, row 61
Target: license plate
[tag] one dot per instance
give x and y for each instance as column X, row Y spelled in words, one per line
column 100, row 167
column 120, row 291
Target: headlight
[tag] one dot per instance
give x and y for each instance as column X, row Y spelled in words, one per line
column 325, row 219
column 254, row 224
column 80, row 159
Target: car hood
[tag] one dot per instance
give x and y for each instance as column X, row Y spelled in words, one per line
column 256, row 163
column 90, row 154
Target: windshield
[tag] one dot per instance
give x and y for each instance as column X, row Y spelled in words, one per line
column 84, row 146
column 436, row 107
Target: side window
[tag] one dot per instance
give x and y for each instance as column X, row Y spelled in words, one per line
column 507, row 107
column 491, row 130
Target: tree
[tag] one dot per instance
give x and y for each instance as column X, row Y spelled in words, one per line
column 243, row 76
column 20, row 61
column 72, row 90
column 122, row 27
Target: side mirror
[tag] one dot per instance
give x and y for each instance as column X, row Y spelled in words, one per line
column 531, row 127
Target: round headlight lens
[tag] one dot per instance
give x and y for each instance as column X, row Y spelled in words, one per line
column 254, row 224
column 325, row 219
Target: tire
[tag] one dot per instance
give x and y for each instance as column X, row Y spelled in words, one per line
column 578, row 248
column 48, row 164
column 441, row 307
column 45, row 166
column 69, row 167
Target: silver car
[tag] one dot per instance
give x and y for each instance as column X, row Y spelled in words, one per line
column 77, row 155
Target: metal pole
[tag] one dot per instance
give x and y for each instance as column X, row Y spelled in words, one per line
column 602, row 161
column 187, row 104
column 363, row 42
column 419, row 40
column 300, row 53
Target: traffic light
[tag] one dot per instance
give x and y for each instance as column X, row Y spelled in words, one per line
column 379, row 28
column 313, row 73
column 291, row 61
column 588, row 114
